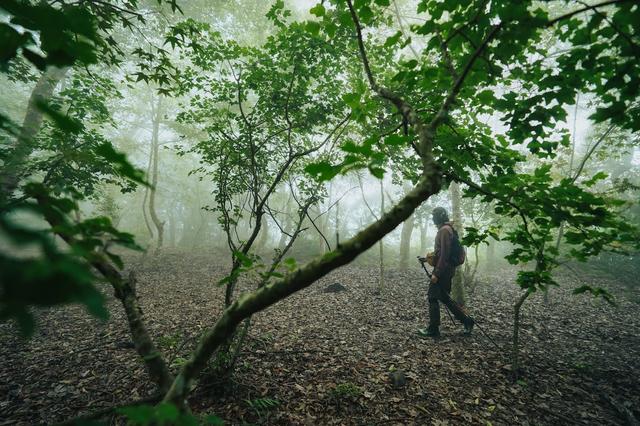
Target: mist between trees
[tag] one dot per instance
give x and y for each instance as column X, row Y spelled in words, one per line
column 287, row 139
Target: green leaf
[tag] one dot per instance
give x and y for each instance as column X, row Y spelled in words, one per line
column 313, row 27
column 595, row 178
column 120, row 163
column 376, row 171
column 365, row 14
column 64, row 122
column 352, row 99
column 318, row 10
column 390, row 41
column 396, row 140
column 322, row 170
column 486, row 97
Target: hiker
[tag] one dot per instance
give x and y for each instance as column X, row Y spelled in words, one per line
column 444, row 270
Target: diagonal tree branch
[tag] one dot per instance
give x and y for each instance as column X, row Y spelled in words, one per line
column 125, row 291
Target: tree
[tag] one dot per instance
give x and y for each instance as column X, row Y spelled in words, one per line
column 264, row 117
column 475, row 43
column 410, row 111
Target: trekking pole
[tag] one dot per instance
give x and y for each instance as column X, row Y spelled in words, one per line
column 422, row 260
column 487, row 336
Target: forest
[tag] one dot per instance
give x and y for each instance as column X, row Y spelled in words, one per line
column 319, row 212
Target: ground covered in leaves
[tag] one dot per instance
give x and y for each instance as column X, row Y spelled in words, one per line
column 348, row 357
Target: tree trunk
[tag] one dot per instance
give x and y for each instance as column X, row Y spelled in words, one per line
column 424, row 228
column 155, row 144
column 457, row 287
column 24, row 143
column 172, row 228
column 380, row 243
column 405, row 242
column 337, row 223
column 145, row 199
column 261, row 243
column 287, row 224
column 322, row 231
column 515, row 352
column 491, row 255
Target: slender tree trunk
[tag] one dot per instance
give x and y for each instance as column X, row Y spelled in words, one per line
column 172, row 228
column 491, row 254
column 405, row 237
column 322, row 245
column 337, row 223
column 24, row 143
column 155, row 144
column 424, row 228
column 380, row 243
column 266, row 296
column 145, row 199
column 457, row 288
column 261, row 243
column 405, row 241
column 515, row 354
column 287, row 224
column 570, row 174
column 470, row 271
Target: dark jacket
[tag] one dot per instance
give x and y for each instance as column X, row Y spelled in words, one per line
column 442, row 251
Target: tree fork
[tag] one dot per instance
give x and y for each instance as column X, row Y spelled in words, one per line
column 270, row 294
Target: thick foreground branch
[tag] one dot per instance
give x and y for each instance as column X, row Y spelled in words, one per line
column 268, row 295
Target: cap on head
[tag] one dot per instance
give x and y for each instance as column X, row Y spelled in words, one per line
column 440, row 215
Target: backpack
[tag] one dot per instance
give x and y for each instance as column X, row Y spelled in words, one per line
column 458, row 252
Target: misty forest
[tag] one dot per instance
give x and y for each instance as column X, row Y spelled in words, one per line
column 361, row 212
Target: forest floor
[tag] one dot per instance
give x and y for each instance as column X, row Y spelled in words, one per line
column 326, row 358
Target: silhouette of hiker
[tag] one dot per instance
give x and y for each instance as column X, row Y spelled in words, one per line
column 440, row 285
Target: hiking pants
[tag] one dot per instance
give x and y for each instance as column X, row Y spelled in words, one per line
column 437, row 293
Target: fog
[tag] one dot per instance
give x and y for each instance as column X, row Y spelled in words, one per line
column 246, row 200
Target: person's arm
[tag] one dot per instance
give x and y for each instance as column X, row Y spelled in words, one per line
column 442, row 266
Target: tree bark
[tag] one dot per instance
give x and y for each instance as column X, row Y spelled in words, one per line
column 337, row 223
column 261, row 243
column 405, row 242
column 145, row 199
column 24, row 143
column 457, row 287
column 515, row 350
column 172, row 228
column 380, row 243
column 286, row 225
column 155, row 144
column 424, row 228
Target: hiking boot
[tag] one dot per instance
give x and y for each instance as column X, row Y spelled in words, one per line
column 468, row 326
column 427, row 332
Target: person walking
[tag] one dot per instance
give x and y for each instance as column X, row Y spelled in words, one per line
column 444, row 270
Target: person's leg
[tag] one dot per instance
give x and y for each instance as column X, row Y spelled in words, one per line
column 433, row 330
column 453, row 307
column 455, row 310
